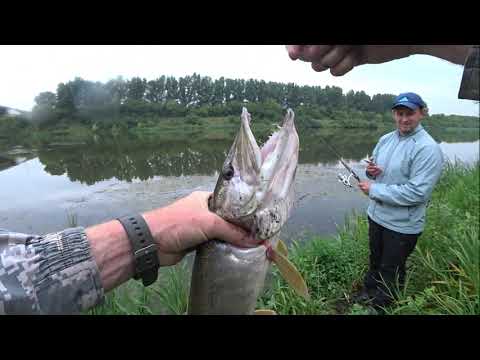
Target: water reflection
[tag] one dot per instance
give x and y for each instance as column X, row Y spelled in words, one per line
column 134, row 161
column 5, row 162
column 129, row 160
column 14, row 156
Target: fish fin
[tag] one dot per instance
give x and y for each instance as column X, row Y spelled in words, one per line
column 290, row 273
column 264, row 312
column 282, row 248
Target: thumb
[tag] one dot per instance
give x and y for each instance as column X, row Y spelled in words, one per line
column 230, row 233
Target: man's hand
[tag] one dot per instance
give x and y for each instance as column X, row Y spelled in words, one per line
column 364, row 186
column 373, row 169
column 187, row 223
column 340, row 59
column 177, row 229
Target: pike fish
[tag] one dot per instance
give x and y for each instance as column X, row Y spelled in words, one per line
column 255, row 190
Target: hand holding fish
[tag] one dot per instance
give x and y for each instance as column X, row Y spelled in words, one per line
column 187, row 223
column 176, row 229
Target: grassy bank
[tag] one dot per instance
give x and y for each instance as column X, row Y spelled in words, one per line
column 443, row 275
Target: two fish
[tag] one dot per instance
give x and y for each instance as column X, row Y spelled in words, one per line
column 255, row 190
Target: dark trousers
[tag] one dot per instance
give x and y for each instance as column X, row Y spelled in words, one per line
column 389, row 251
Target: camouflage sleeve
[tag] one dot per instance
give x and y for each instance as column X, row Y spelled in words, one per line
column 50, row 274
column 469, row 87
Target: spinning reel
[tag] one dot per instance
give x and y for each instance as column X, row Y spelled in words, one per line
column 344, row 179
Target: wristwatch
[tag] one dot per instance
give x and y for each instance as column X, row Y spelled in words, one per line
column 144, row 248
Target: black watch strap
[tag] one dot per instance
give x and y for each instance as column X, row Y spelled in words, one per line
column 144, row 248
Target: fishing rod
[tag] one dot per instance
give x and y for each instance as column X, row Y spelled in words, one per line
column 342, row 178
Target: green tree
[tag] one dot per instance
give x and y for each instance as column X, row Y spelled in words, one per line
column 184, row 90
column 65, row 101
column 205, row 91
column 219, row 91
column 43, row 111
column 251, row 90
column 238, row 90
column 155, row 91
column 117, row 90
column 171, row 87
column 293, row 95
column 333, row 96
column 46, row 98
column 136, row 89
column 382, row 102
column 229, row 90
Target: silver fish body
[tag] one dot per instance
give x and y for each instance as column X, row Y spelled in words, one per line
column 227, row 280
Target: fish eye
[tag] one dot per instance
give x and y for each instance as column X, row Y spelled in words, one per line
column 228, row 172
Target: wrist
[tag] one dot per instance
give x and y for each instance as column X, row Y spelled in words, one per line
column 453, row 53
column 160, row 221
column 112, row 251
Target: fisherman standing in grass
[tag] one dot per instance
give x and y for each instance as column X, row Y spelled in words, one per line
column 407, row 164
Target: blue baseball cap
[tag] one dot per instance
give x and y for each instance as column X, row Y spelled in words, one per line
column 409, row 100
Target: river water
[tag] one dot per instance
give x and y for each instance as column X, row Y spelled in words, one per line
column 44, row 189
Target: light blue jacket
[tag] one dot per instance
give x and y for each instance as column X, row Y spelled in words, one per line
column 411, row 165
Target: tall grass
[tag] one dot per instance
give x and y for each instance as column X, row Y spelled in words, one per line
column 174, row 290
column 167, row 296
column 331, row 267
column 446, row 278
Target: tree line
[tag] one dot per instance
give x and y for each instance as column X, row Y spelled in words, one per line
column 191, row 94
column 121, row 105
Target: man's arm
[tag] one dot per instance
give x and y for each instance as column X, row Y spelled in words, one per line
column 69, row 271
column 456, row 54
column 426, row 171
column 50, row 274
column 340, row 59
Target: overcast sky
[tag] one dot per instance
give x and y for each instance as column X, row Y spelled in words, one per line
column 25, row 71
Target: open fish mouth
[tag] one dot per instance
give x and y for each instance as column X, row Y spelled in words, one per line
column 258, row 181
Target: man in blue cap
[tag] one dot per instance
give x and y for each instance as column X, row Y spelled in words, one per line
column 406, row 165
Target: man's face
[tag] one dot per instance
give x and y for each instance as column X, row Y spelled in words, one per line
column 406, row 119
